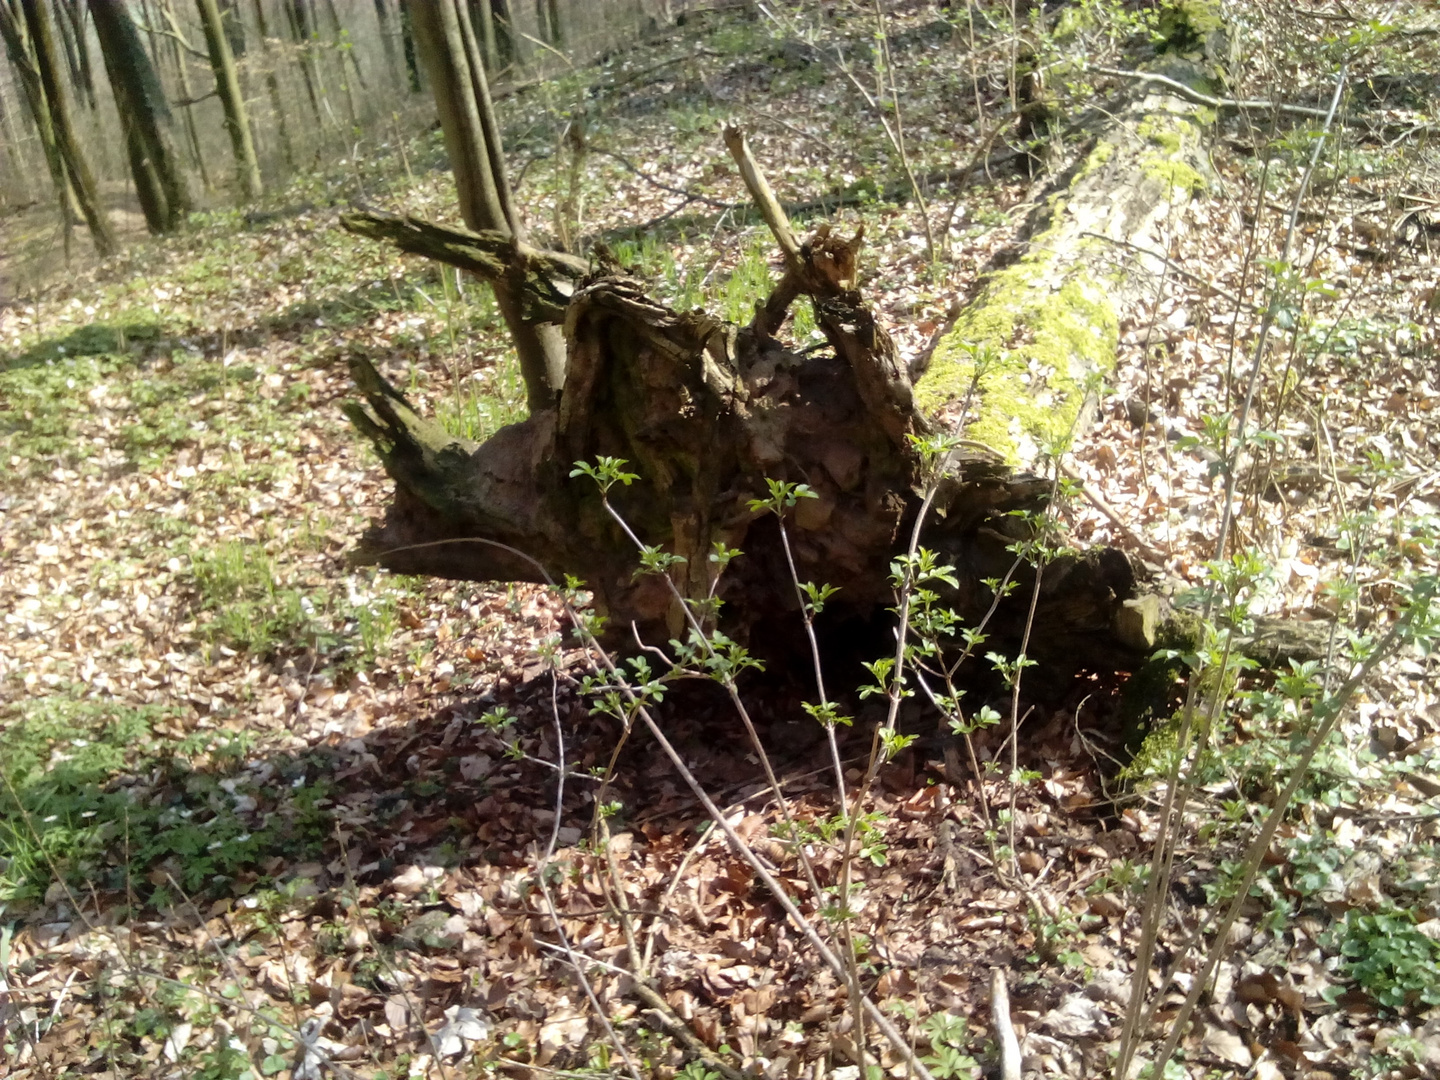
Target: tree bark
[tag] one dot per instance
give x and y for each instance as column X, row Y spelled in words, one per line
column 17, row 165
column 1044, row 327
column 341, row 50
column 706, row 413
column 159, row 176
column 41, row 59
column 182, row 76
column 484, row 14
column 272, row 87
column 234, row 26
column 227, row 84
column 407, row 41
column 387, row 39
column 22, row 56
column 472, row 139
column 77, row 49
column 302, row 29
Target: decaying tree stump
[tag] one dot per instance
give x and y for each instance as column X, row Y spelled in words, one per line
column 705, row 412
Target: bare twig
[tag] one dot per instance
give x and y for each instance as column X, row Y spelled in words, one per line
column 1327, row 713
column 1004, row 1030
column 764, row 196
column 1150, row 552
column 554, row 912
column 1251, row 104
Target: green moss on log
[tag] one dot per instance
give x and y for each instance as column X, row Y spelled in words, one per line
column 1043, row 331
column 1167, row 165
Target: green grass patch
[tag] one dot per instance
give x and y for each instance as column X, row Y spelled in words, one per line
column 79, row 800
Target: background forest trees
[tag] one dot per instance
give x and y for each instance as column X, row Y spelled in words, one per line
column 121, row 115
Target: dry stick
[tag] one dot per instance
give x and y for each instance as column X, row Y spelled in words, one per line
column 675, row 880
column 667, row 1015
column 764, row 197
column 1004, row 1029
column 306, row 1045
column 846, row 932
column 1203, row 282
column 774, row 216
column 385, row 962
column 692, row 196
column 732, row 691
column 741, row 847
column 1176, row 791
column 1272, row 308
column 1241, row 104
column 1150, row 552
column 899, row 137
column 895, row 135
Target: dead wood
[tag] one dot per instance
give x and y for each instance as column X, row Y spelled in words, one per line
column 705, row 412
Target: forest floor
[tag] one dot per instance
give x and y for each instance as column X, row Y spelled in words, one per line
column 258, row 802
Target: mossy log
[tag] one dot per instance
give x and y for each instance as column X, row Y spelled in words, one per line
column 1043, row 329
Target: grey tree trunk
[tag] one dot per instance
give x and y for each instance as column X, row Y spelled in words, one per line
column 387, row 40
column 51, row 100
column 548, row 12
column 227, row 83
column 17, row 166
column 187, row 93
column 302, row 29
column 77, row 49
column 472, row 138
column 155, row 163
column 22, row 57
column 484, row 14
column 234, row 27
column 407, row 38
column 272, row 87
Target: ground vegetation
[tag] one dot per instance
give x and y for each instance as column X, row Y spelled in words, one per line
column 267, row 812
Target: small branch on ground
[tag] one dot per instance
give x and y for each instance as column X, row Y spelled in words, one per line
column 1004, row 1030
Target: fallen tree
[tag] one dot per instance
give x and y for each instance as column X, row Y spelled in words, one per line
column 705, row 413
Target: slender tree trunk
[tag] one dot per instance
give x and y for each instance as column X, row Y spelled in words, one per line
column 177, row 58
column 340, row 48
column 22, row 55
column 486, row 16
column 66, row 41
column 77, row 166
column 234, row 27
column 77, row 49
column 387, row 40
column 519, row 47
column 17, row 164
column 302, row 30
column 148, row 15
column 407, row 39
column 140, row 98
column 344, row 41
column 272, row 86
column 472, row 139
column 247, row 169
column 547, row 15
